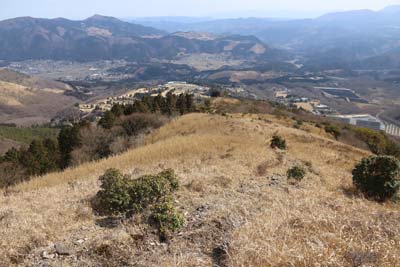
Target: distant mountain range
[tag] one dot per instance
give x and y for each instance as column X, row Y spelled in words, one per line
column 344, row 39
column 353, row 39
column 101, row 37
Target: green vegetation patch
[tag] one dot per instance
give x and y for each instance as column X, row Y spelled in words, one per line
column 278, row 142
column 297, row 173
column 378, row 177
column 122, row 195
column 27, row 135
column 378, row 142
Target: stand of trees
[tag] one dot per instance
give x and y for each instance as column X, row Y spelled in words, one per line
column 117, row 130
column 171, row 105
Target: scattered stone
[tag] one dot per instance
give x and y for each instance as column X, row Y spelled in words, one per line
column 62, row 249
column 44, row 264
column 46, row 255
column 220, row 255
column 276, row 180
column 109, row 222
column 79, row 242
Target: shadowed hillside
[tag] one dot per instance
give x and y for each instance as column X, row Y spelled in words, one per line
column 239, row 208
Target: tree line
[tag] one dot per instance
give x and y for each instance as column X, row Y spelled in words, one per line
column 86, row 141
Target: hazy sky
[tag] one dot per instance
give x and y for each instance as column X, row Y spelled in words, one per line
column 76, row 9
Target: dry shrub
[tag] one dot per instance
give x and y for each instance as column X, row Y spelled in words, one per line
column 96, row 143
column 6, row 217
column 196, row 186
column 222, row 181
column 83, row 212
column 119, row 145
column 262, row 168
column 358, row 258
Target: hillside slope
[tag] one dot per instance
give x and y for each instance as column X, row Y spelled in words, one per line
column 26, row 100
column 234, row 196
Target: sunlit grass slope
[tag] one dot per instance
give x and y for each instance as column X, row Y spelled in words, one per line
column 234, row 195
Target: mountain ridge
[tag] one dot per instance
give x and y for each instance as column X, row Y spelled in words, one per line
column 100, row 37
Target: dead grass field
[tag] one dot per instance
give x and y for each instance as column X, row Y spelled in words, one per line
column 239, row 208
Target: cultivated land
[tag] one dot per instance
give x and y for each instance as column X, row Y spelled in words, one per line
column 238, row 206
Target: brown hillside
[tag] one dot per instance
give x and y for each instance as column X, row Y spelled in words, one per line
column 26, row 100
column 6, row 144
column 238, row 206
column 7, row 75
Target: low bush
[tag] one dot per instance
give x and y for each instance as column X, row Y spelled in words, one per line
column 297, row 173
column 298, row 124
column 378, row 177
column 166, row 218
column 378, row 142
column 122, row 195
column 333, row 130
column 151, row 189
column 113, row 198
column 278, row 142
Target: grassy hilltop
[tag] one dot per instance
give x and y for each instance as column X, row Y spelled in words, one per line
column 239, row 208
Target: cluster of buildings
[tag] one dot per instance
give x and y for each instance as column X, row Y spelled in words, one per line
column 369, row 121
column 362, row 120
column 312, row 105
column 175, row 87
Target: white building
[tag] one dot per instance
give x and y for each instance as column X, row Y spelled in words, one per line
column 362, row 120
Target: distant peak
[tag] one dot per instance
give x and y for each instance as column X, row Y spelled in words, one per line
column 100, row 17
column 391, row 9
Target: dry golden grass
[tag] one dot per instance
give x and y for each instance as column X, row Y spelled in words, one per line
column 229, row 204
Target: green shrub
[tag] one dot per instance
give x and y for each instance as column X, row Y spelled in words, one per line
column 378, row 142
column 297, row 173
column 151, row 189
column 333, row 130
column 166, row 218
column 279, row 113
column 120, row 194
column 113, row 198
column 298, row 124
column 378, row 177
column 278, row 142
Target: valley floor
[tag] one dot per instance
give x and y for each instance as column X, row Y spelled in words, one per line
column 238, row 206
